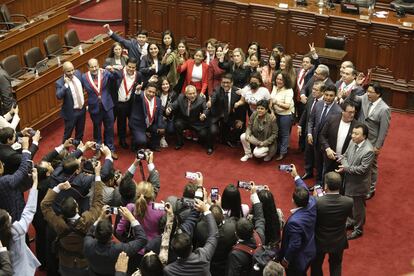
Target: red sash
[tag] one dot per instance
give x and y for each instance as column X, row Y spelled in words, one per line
column 149, row 115
column 128, row 90
column 96, row 89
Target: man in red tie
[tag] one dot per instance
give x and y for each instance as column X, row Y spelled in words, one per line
column 100, row 104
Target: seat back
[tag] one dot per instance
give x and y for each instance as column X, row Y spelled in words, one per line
column 6, row 17
column 53, row 46
column 335, row 42
column 32, row 57
column 71, row 38
column 12, row 66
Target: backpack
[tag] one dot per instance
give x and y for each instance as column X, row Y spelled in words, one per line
column 261, row 255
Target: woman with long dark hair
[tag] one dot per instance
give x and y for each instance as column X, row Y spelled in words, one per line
column 196, row 72
column 173, row 60
column 231, row 203
column 116, row 57
column 167, row 95
column 215, row 73
column 273, row 64
column 272, row 226
column 151, row 63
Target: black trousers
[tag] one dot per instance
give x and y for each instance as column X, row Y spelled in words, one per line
column 203, row 132
column 335, row 263
column 77, row 124
column 226, row 131
column 122, row 111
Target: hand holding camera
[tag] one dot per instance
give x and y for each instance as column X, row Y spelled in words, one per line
column 126, row 214
column 64, row 186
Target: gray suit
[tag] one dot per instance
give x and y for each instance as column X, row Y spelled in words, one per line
column 378, row 123
column 357, row 167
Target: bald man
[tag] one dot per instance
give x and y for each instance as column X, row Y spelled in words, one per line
column 69, row 89
column 100, row 104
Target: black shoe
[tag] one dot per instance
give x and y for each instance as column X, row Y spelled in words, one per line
column 230, row 144
column 123, row 144
column 155, row 149
column 354, row 235
column 370, row 195
column 307, row 176
column 210, row 151
column 178, row 146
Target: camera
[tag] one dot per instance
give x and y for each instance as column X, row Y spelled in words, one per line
column 112, row 210
column 188, row 202
column 285, row 168
column 142, row 154
column 75, row 142
column 97, row 146
column 214, row 194
column 199, row 194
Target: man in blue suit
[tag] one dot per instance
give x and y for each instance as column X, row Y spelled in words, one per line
column 100, row 104
column 126, row 81
column 298, row 242
column 146, row 116
column 69, row 88
column 320, row 114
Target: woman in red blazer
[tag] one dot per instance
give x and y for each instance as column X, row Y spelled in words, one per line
column 215, row 73
column 196, row 72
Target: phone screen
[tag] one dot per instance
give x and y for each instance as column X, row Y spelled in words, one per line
column 243, row 185
column 214, row 193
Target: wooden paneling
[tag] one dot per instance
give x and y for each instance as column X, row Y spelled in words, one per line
column 33, row 7
column 37, row 96
column 382, row 44
column 20, row 40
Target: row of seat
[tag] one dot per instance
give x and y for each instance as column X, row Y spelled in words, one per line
column 34, row 56
column 6, row 19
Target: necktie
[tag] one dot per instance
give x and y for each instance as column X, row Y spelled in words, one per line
column 369, row 108
column 325, row 111
column 77, row 94
column 188, row 108
column 314, row 102
column 95, row 80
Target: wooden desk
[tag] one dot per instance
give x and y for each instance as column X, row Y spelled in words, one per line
column 22, row 38
column 36, row 97
column 383, row 44
column 33, row 7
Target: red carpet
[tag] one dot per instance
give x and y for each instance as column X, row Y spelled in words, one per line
column 387, row 245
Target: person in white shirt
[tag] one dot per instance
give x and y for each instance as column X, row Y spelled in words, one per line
column 11, row 118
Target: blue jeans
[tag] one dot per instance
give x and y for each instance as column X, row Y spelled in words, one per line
column 284, row 122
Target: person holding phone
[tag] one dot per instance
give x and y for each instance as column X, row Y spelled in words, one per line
column 69, row 88
column 11, row 118
column 71, row 227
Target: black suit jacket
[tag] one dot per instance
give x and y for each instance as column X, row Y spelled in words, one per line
column 219, row 106
column 332, row 212
column 12, row 158
column 179, row 107
column 329, row 134
column 315, row 123
column 307, row 88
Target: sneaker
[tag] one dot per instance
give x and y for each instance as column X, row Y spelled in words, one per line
column 246, row 157
column 163, row 143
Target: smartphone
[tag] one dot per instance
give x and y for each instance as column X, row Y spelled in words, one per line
column 191, row 175
column 214, row 194
column 259, row 187
column 158, row 206
column 75, row 142
column 319, row 190
column 244, row 185
column 339, row 157
column 114, row 210
column 32, row 132
column 285, row 168
column 31, row 166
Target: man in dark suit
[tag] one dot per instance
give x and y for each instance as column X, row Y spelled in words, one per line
column 240, row 262
column 137, row 48
column 298, row 239
column 6, row 92
column 69, row 89
column 356, row 166
column 321, row 74
column 226, row 239
column 195, row 262
column 100, row 104
column 376, row 114
column 321, row 113
column 99, row 249
column 223, row 117
column 126, row 81
column 336, row 135
column 190, row 112
column 316, row 96
column 146, row 116
column 332, row 211
column 11, row 152
column 11, row 185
